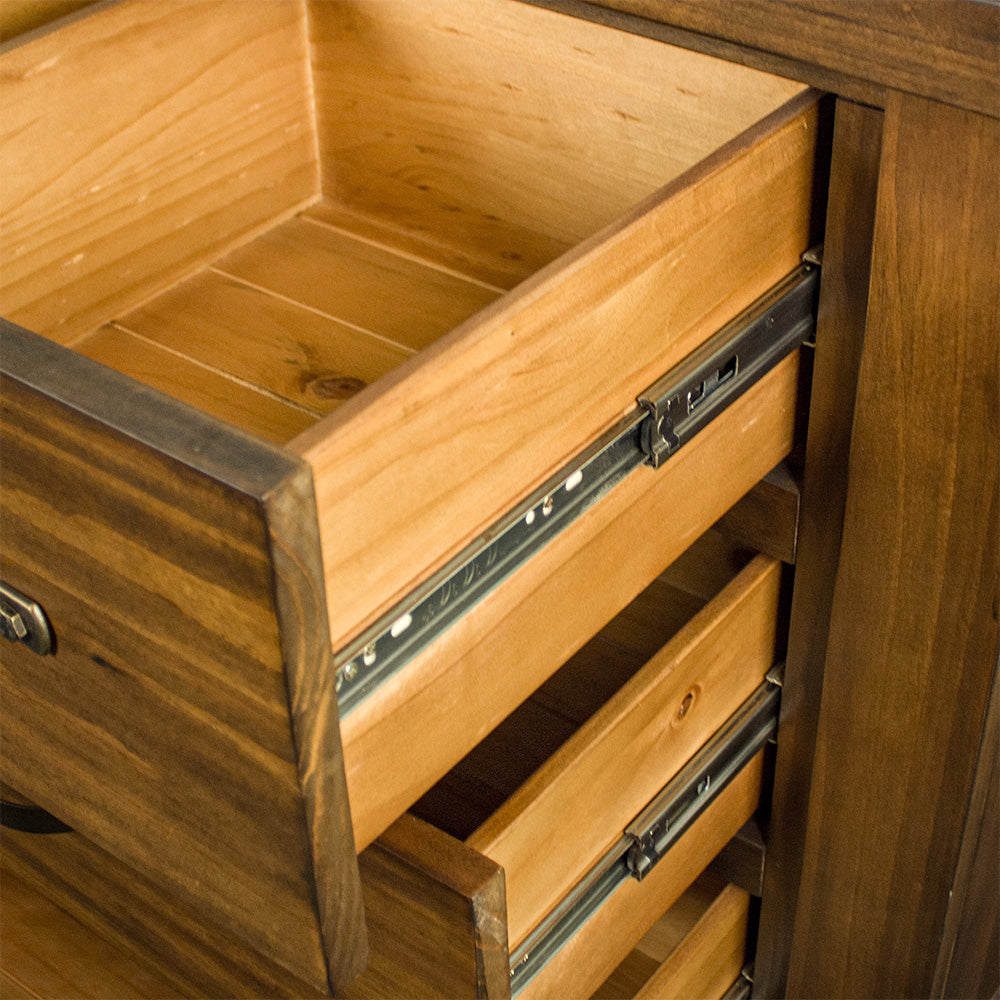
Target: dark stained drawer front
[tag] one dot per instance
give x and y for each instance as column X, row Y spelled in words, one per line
column 176, row 720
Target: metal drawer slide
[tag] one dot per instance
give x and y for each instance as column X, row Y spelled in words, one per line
column 656, row 829
column 667, row 416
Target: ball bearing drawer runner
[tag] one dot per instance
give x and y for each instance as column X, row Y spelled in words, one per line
column 304, row 301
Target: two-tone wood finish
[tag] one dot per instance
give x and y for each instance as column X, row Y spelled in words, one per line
column 840, row 334
column 861, row 50
column 936, row 188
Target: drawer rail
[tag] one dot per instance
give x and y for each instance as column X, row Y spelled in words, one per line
column 656, row 829
column 668, row 415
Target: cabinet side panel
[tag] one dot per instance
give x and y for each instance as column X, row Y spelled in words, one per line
column 913, row 632
column 839, row 338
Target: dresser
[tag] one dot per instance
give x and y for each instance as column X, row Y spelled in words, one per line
column 185, row 727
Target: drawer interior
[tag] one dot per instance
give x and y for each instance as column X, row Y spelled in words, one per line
column 475, row 789
column 561, row 778
column 354, row 178
column 552, row 787
column 696, row 949
column 330, row 223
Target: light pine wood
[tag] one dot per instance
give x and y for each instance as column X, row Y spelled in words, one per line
column 311, row 360
column 917, row 585
column 493, row 408
column 661, row 939
column 495, row 137
column 607, row 662
column 709, row 959
column 590, row 956
column 495, row 768
column 560, row 822
column 260, row 413
column 359, row 283
column 767, row 518
column 46, row 953
column 521, row 744
column 435, row 912
column 401, row 740
column 176, row 560
column 122, row 173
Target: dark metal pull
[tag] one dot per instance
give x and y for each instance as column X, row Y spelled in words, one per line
column 23, row 620
column 27, row 818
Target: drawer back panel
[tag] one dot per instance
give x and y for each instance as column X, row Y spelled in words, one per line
column 497, row 135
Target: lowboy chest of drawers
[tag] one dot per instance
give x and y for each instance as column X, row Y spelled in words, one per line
column 402, row 409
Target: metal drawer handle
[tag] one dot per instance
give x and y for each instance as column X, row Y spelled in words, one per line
column 23, row 620
column 28, row 818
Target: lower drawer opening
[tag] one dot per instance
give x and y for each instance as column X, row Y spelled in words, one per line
column 698, row 948
column 552, row 790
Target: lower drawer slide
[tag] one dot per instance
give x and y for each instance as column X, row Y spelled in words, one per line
column 686, row 797
column 668, row 415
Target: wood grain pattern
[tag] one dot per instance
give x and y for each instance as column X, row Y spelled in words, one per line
column 494, row 136
column 969, row 959
column 479, row 784
column 840, row 334
column 709, row 959
column 398, row 742
column 171, row 153
column 600, row 945
column 660, row 940
column 134, row 915
column 563, row 819
column 155, row 540
column 47, row 953
column 767, row 518
column 916, row 592
column 436, row 916
column 490, row 410
column 262, row 414
column 20, row 16
column 947, row 52
column 308, row 359
column 358, row 283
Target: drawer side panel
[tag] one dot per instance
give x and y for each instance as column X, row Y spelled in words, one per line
column 410, row 473
column 403, row 738
column 140, row 141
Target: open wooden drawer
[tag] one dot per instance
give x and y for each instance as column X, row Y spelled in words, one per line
column 318, row 293
column 564, row 835
column 696, row 949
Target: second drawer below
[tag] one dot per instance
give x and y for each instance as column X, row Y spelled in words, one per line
column 545, row 797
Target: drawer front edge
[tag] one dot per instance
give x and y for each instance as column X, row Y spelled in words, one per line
column 178, row 724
